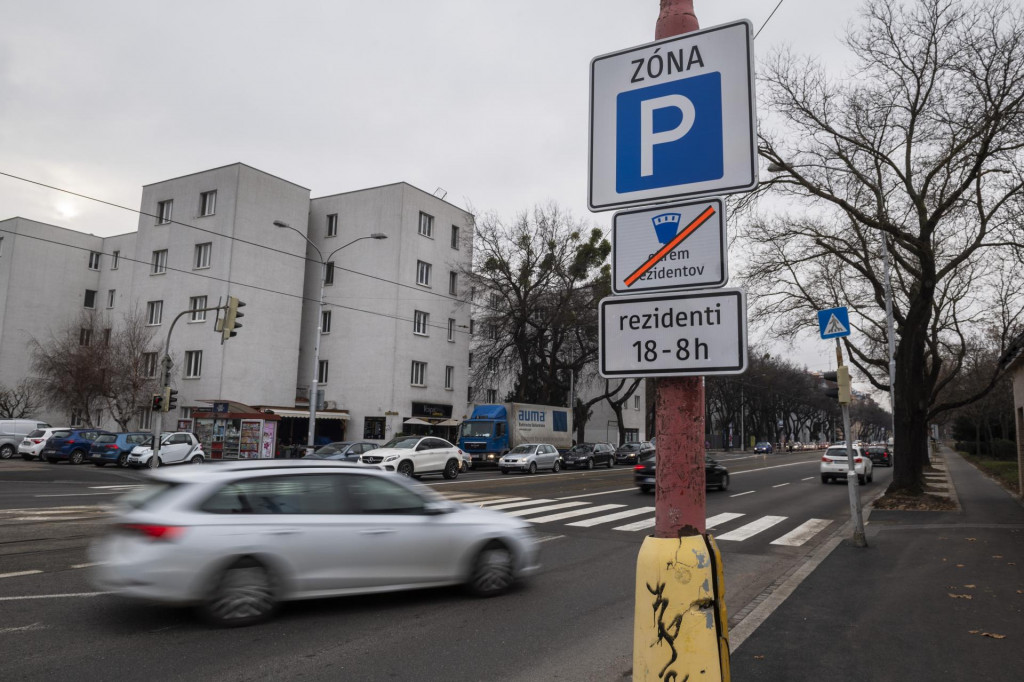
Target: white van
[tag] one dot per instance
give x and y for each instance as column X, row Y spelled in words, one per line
column 13, row 431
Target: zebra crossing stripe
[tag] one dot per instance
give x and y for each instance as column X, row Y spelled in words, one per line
column 718, row 520
column 513, row 505
column 576, row 512
column 608, row 518
column 802, row 533
column 752, row 528
column 550, row 507
column 639, row 525
column 492, row 500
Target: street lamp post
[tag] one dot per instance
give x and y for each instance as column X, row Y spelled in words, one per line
column 319, row 322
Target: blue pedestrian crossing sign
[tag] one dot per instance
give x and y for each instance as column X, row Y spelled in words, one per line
column 833, row 323
column 673, row 119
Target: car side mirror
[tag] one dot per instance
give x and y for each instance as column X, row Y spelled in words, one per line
column 437, row 508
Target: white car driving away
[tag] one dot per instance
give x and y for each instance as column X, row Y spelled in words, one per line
column 834, row 464
column 175, row 448
column 417, row 455
column 529, row 457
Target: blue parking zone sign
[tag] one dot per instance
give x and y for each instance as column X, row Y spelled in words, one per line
column 833, row 323
column 661, row 138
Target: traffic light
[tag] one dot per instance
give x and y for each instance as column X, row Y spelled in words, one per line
column 170, row 399
column 158, row 402
column 841, row 391
column 231, row 315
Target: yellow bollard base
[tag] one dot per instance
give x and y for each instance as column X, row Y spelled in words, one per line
column 680, row 625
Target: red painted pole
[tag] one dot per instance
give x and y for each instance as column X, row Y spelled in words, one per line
column 680, row 498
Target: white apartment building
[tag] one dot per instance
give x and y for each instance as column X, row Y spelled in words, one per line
column 394, row 341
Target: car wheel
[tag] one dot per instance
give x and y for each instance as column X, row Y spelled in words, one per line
column 464, row 468
column 533, row 468
column 824, row 478
column 724, row 485
column 76, row 457
column 451, row 470
column 6, row 451
column 153, row 462
column 871, row 475
column 244, row 594
column 196, row 459
column 611, row 462
column 556, row 467
column 646, row 488
column 492, row 571
column 590, row 464
column 122, row 460
column 405, row 468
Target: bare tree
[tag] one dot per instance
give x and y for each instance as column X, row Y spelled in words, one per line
column 130, row 379
column 919, row 152
column 20, row 401
column 71, row 367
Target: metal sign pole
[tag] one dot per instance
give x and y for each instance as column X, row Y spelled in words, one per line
column 856, row 514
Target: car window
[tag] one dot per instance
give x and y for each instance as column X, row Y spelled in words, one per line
column 297, row 494
column 403, row 442
column 106, row 438
column 36, row 434
column 521, row 450
column 137, row 438
column 63, row 433
column 375, row 495
column 148, row 494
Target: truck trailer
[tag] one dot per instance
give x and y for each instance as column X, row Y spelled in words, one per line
column 493, row 430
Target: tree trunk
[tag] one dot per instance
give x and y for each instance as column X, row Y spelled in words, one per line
column 912, row 396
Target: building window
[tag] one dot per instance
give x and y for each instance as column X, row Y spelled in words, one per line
column 110, row 297
column 145, row 418
column 163, row 212
column 419, row 322
column 321, row 372
column 115, row 259
column 193, row 364
column 451, row 329
column 422, row 273
column 149, row 364
column 449, row 377
column 154, row 312
column 453, row 283
column 76, row 418
column 373, row 427
column 325, row 322
column 203, row 252
column 106, row 337
column 90, row 298
column 495, row 301
column 208, row 203
column 332, row 225
column 419, row 373
column 455, row 237
column 329, row 274
column 492, row 396
column 472, row 327
column 84, row 336
column 636, row 402
column 195, row 304
column 426, row 224
column 1, row 246
column 94, row 260
column 470, row 363
column 469, row 394
column 159, row 262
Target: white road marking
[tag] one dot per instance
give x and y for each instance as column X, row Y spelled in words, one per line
column 777, row 466
column 752, row 528
column 749, row 492
column 639, row 525
column 23, row 628
column 779, row 485
column 719, row 519
column 95, row 563
column 513, row 505
column 549, row 537
column 802, row 533
column 809, row 478
column 54, row 596
column 608, row 518
column 79, row 494
column 576, row 512
column 486, row 500
column 550, row 507
column 116, row 487
column 17, row 573
column 607, row 492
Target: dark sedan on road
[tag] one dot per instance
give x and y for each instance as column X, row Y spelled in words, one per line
column 880, row 454
column 630, row 453
column 345, row 451
column 589, row 455
column 715, row 475
column 763, row 446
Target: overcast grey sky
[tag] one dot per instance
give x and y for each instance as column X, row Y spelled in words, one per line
column 487, row 100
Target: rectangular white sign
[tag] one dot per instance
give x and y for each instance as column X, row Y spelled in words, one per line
column 673, row 119
column 686, row 334
column 672, row 247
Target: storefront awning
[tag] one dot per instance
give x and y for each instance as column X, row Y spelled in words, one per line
column 305, row 413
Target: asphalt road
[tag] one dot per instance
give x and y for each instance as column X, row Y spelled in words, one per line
column 573, row 621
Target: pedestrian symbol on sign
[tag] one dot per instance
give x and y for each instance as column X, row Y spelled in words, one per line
column 834, row 323
column 835, row 327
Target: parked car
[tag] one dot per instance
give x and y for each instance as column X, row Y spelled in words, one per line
column 529, row 457
column 14, row 431
column 347, row 451
column 630, row 453
column 715, row 475
column 211, row 536
column 834, row 464
column 880, row 454
column 114, row 448
column 175, row 448
column 32, row 446
column 417, row 455
column 764, row 446
column 588, row 455
column 70, row 444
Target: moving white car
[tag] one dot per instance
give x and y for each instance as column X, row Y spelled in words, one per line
column 239, row 538
column 834, row 464
column 416, row 456
column 529, row 457
column 175, row 448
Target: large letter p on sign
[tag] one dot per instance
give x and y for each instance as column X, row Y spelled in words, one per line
column 649, row 138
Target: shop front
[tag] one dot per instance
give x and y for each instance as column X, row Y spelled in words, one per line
column 230, row 430
column 293, row 430
column 431, row 419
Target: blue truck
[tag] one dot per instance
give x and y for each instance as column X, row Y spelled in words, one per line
column 493, row 430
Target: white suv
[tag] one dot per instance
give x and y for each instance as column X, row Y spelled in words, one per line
column 834, row 464
column 417, row 455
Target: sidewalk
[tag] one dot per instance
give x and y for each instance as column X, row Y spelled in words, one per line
column 935, row 595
